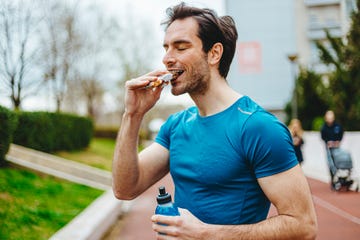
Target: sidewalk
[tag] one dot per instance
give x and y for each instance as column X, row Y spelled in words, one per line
column 136, row 224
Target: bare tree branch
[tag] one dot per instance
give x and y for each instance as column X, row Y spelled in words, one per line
column 18, row 54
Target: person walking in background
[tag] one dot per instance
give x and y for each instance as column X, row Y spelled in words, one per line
column 331, row 131
column 228, row 157
column 332, row 134
column 296, row 131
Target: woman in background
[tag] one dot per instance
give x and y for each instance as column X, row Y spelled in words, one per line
column 297, row 133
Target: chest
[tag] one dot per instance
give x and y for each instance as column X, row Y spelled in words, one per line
column 208, row 154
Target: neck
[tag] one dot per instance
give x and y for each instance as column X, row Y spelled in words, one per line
column 217, row 98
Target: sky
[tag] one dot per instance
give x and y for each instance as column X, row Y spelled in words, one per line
column 153, row 12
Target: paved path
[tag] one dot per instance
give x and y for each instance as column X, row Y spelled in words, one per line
column 338, row 212
column 136, row 224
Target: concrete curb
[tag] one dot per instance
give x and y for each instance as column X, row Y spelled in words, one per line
column 94, row 221
column 60, row 167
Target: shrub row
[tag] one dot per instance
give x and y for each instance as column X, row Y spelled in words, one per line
column 49, row 132
column 43, row 131
column 106, row 132
column 8, row 123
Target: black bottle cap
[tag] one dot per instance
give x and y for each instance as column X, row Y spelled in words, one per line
column 163, row 196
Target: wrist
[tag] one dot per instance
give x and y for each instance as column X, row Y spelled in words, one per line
column 130, row 125
column 207, row 232
column 130, row 115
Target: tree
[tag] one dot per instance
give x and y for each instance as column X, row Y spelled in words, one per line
column 61, row 45
column 18, row 54
column 93, row 92
column 352, row 55
column 344, row 82
column 312, row 101
column 95, row 62
column 135, row 54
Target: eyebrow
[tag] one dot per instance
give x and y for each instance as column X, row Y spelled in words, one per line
column 178, row 42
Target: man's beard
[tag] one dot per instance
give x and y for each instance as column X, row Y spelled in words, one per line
column 197, row 82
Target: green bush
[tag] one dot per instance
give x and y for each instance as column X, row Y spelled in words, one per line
column 35, row 130
column 8, row 123
column 106, row 132
column 51, row 132
column 317, row 123
column 72, row 132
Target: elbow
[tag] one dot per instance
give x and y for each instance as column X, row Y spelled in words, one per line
column 311, row 229
column 123, row 194
column 311, row 233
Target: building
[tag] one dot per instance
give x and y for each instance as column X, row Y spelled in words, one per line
column 272, row 31
column 318, row 15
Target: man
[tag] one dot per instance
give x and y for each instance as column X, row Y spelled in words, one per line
column 332, row 134
column 227, row 156
column 331, row 131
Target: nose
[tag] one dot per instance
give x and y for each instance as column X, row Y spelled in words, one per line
column 168, row 59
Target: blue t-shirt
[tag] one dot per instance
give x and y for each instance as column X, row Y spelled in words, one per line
column 215, row 161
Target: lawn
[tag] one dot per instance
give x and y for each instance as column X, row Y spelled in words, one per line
column 35, row 206
column 99, row 154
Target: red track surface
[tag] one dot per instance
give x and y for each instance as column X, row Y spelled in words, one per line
column 338, row 214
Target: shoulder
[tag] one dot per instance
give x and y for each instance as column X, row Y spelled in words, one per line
column 174, row 122
column 256, row 118
column 259, row 126
column 266, row 142
column 247, row 106
column 188, row 113
column 183, row 116
column 338, row 125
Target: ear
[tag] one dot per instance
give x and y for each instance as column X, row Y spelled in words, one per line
column 215, row 54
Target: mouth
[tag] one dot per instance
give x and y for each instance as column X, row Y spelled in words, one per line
column 176, row 73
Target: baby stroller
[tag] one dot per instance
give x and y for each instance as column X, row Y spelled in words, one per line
column 341, row 165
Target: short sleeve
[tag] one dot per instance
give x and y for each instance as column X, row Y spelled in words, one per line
column 163, row 136
column 267, row 144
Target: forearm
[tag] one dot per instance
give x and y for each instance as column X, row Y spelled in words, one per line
column 125, row 169
column 278, row 227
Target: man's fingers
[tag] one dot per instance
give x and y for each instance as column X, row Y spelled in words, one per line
column 165, row 230
column 139, row 82
column 168, row 220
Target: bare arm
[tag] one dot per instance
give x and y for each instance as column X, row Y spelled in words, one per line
column 290, row 194
column 133, row 173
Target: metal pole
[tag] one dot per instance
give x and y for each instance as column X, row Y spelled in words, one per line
column 294, row 98
column 294, row 108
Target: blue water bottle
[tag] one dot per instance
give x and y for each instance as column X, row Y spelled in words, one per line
column 165, row 205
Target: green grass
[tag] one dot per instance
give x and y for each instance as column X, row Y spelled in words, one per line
column 99, row 154
column 34, row 206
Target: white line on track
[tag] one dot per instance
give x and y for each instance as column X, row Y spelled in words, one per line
column 336, row 210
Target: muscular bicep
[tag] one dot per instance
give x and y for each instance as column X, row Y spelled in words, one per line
column 289, row 192
column 154, row 164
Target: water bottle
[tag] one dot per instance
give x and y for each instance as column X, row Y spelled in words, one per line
column 165, row 205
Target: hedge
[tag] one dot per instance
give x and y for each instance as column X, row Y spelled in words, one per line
column 106, row 132
column 8, row 122
column 49, row 132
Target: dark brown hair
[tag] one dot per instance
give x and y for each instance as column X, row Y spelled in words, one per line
column 212, row 29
